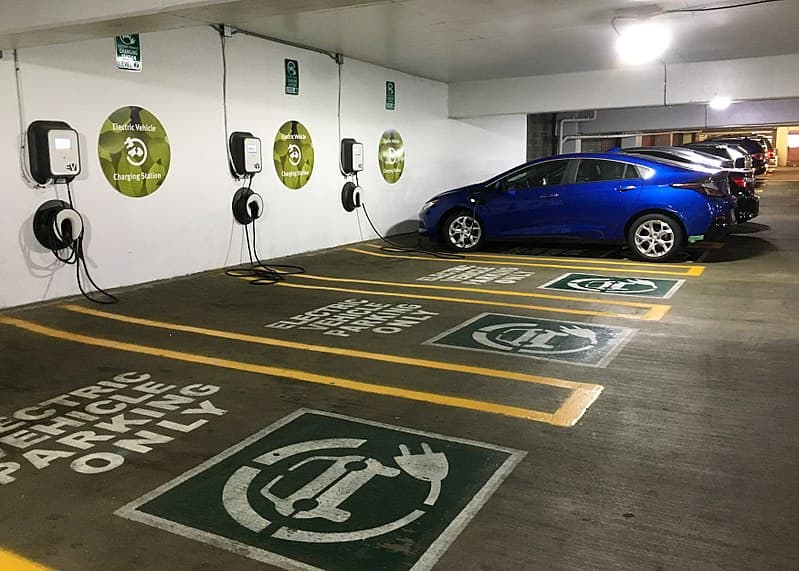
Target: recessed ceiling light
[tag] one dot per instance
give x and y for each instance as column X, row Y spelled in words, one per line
column 642, row 42
column 720, row 103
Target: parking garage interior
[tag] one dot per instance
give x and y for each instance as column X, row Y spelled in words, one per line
column 214, row 359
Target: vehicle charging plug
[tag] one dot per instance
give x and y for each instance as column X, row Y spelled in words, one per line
column 428, row 466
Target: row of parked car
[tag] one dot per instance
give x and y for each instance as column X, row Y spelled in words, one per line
column 656, row 199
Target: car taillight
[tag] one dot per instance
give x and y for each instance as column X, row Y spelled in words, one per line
column 706, row 186
column 771, row 154
column 759, row 156
column 738, row 180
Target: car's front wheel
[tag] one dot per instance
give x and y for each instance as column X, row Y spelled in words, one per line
column 462, row 231
column 655, row 237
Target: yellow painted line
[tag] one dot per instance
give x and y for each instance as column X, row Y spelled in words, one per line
column 576, row 405
column 294, row 374
column 653, row 309
column 12, row 562
column 628, row 263
column 273, row 342
column 691, row 271
column 650, row 315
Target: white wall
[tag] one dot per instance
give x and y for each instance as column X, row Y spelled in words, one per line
column 743, row 79
column 186, row 226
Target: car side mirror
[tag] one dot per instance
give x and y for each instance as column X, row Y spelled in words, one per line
column 740, row 163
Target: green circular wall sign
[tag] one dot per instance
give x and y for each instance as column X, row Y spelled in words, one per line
column 293, row 155
column 391, row 156
column 134, row 151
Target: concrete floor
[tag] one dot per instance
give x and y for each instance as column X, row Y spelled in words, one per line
column 687, row 459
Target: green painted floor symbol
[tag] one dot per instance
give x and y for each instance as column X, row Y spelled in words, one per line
column 615, row 285
column 533, row 337
column 317, row 490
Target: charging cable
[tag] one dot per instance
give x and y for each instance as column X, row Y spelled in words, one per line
column 77, row 257
column 395, row 248
column 258, row 272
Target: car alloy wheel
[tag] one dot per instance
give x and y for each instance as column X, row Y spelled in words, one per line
column 655, row 238
column 464, row 232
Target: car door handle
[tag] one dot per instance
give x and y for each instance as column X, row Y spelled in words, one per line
column 548, row 196
column 625, row 188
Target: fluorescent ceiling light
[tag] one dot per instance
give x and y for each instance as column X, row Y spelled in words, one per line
column 720, row 103
column 642, row 42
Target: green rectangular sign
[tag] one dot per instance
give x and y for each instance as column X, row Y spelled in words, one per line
column 391, row 95
column 128, row 50
column 615, row 285
column 537, row 338
column 292, row 68
column 317, row 490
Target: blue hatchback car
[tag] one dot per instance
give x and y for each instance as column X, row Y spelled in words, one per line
column 657, row 207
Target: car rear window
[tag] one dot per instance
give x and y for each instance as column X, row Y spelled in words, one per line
column 594, row 170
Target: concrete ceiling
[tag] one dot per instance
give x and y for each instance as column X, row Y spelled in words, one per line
column 451, row 40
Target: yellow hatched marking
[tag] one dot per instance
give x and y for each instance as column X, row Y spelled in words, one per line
column 629, row 263
column 294, row 374
column 691, row 271
column 653, row 309
column 650, row 315
column 273, row 342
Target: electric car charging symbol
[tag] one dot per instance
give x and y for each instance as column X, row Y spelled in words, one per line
column 322, row 498
column 295, row 154
column 137, row 151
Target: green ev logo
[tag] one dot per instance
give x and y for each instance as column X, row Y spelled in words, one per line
column 315, row 480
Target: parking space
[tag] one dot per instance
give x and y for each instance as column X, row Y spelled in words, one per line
column 520, row 408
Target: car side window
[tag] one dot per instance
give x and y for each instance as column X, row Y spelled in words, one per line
column 542, row 174
column 594, row 170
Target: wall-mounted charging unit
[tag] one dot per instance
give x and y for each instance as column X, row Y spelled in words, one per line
column 54, row 158
column 351, row 164
column 245, row 154
column 53, row 152
column 351, row 156
column 248, row 206
column 57, row 226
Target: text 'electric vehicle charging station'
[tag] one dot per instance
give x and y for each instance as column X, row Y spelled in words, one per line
column 245, row 161
column 53, row 158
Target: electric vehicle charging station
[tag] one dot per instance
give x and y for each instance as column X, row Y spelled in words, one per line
column 351, row 164
column 54, row 158
column 245, row 161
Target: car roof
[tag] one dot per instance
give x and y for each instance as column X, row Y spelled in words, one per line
column 625, row 158
column 683, row 151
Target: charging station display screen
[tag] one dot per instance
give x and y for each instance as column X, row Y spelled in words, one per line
column 63, row 144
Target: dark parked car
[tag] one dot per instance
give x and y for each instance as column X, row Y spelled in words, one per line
column 753, row 146
column 656, row 207
column 771, row 152
column 741, row 180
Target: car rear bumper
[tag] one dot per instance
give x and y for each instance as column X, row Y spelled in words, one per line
column 748, row 207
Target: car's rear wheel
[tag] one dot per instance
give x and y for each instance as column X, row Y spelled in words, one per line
column 462, row 231
column 655, row 237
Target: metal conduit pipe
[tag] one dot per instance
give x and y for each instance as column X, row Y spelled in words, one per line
column 562, row 122
column 614, row 136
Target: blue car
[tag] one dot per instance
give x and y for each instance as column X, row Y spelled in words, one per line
column 657, row 207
